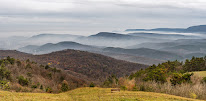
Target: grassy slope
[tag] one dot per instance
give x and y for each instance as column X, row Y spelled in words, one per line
column 90, row 94
column 200, row 73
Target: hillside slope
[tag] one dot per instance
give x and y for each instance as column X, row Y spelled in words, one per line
column 90, row 66
column 50, row 47
column 145, row 52
column 92, row 94
column 28, row 76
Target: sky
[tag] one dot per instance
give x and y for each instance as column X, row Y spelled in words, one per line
column 86, row 17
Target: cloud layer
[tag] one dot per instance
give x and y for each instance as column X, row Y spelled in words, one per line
column 27, row 17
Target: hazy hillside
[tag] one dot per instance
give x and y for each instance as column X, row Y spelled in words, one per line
column 16, row 42
column 145, row 52
column 49, row 47
column 192, row 29
column 107, row 39
column 163, row 36
column 133, row 58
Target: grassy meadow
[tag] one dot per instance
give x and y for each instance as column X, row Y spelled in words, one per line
column 200, row 73
column 91, row 94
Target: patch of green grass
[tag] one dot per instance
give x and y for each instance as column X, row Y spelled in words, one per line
column 91, row 94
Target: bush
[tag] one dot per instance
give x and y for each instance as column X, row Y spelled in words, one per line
column 41, row 87
column 27, row 61
column 29, row 74
column 92, row 85
column 50, row 75
column 4, row 73
column 178, row 78
column 61, row 78
column 28, row 66
column 142, row 88
column 204, row 80
column 123, row 88
column 5, row 85
column 134, row 88
column 47, row 67
column 11, row 60
column 34, row 86
column 23, row 81
column 193, row 95
column 18, row 62
column 65, row 86
column 158, row 74
column 49, row 90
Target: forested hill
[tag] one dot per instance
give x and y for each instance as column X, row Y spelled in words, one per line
column 90, row 66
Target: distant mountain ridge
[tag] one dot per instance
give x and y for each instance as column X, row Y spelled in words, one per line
column 50, row 47
column 146, row 52
column 193, row 29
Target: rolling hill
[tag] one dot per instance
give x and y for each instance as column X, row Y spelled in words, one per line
column 90, row 66
column 28, row 76
column 145, row 52
column 107, row 39
column 133, row 58
column 50, row 47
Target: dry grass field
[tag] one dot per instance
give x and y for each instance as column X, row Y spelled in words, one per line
column 200, row 73
column 91, row 94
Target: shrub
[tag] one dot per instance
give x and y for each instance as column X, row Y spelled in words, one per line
column 158, row 74
column 29, row 74
column 11, row 60
column 18, row 62
column 7, row 75
column 27, row 61
column 41, row 87
column 123, row 88
column 135, row 88
column 23, row 81
column 47, row 67
column 193, row 95
column 92, row 85
column 49, row 90
column 4, row 73
column 178, row 78
column 28, row 66
column 65, row 86
column 61, row 78
column 111, row 81
column 34, row 86
column 204, row 80
column 50, row 75
column 142, row 88
column 5, row 85
column 187, row 77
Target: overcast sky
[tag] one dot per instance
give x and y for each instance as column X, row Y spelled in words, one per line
column 85, row 17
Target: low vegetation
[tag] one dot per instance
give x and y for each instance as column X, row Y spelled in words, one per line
column 172, row 77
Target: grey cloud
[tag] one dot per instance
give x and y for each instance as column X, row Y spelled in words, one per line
column 89, row 16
